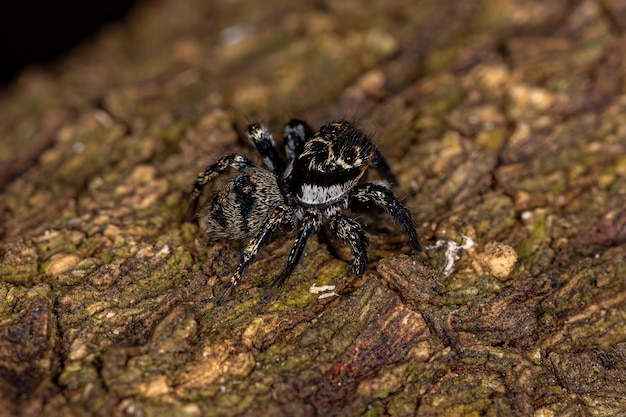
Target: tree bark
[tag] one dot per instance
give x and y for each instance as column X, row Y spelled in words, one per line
column 504, row 123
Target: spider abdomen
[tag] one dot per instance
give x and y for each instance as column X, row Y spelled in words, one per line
column 240, row 208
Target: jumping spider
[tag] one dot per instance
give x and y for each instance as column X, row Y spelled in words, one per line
column 325, row 174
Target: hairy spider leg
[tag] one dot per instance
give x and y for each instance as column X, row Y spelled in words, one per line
column 311, row 224
column 295, row 133
column 233, row 161
column 252, row 249
column 383, row 168
column 264, row 142
column 351, row 233
column 364, row 195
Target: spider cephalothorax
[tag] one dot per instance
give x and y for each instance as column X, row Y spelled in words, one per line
column 331, row 163
column 324, row 175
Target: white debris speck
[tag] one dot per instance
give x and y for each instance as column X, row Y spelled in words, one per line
column 452, row 252
column 165, row 250
column 103, row 118
column 526, row 215
column 469, row 242
column 327, row 294
column 314, row 289
column 78, row 147
column 234, row 34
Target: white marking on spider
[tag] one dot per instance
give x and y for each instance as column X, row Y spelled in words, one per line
column 268, row 163
column 316, row 194
column 288, row 170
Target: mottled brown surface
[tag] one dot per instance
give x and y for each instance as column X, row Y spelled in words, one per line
column 504, row 122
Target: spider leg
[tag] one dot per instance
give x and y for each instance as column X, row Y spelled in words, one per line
column 233, row 161
column 351, row 232
column 365, row 195
column 379, row 163
column 295, row 133
column 264, row 142
column 310, row 225
column 251, row 250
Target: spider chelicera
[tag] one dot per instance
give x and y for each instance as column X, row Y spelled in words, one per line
column 325, row 174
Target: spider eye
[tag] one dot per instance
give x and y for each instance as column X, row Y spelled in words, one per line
column 319, row 149
column 349, row 156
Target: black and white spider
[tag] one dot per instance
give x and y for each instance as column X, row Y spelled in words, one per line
column 325, row 174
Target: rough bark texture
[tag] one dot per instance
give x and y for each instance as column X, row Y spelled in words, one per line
column 505, row 121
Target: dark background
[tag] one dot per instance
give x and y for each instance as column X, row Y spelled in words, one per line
column 37, row 31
